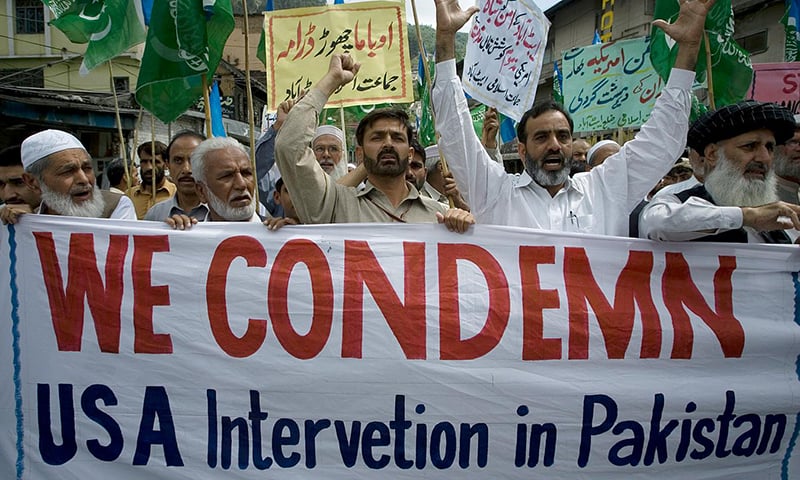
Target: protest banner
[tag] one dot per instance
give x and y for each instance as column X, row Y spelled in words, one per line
column 130, row 350
column 299, row 43
column 777, row 82
column 610, row 85
column 504, row 55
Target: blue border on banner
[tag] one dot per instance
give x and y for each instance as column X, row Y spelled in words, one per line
column 793, row 440
column 12, row 270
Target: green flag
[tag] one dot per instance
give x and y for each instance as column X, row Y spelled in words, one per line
column 732, row 71
column 110, row 27
column 558, row 87
column 426, row 130
column 790, row 22
column 184, row 43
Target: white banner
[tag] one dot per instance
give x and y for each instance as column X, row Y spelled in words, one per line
column 504, row 55
column 391, row 351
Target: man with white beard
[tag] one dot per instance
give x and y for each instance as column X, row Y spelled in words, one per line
column 738, row 202
column 328, row 146
column 787, row 167
column 225, row 182
column 57, row 163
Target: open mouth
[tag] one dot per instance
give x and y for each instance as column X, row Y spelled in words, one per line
column 81, row 196
column 240, row 201
column 553, row 163
column 388, row 157
column 755, row 170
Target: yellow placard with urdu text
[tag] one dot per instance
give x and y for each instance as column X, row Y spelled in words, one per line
column 299, row 44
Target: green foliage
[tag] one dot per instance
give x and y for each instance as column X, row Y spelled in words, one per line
column 254, row 6
column 428, row 35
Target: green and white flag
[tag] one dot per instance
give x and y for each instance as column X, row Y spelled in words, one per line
column 184, row 43
column 790, row 22
column 732, row 72
column 558, row 84
column 426, row 130
column 110, row 27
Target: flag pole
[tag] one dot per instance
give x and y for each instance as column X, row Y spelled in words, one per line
column 249, row 90
column 153, row 157
column 207, row 106
column 344, row 130
column 429, row 80
column 119, row 122
column 709, row 76
column 135, row 141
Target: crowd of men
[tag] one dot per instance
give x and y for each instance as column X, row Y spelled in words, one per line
column 732, row 175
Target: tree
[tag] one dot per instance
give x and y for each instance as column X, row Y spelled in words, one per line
column 254, row 6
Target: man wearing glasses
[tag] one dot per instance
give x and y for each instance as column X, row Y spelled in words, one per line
column 787, row 167
column 328, row 145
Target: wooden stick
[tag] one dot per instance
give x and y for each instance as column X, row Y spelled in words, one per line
column 429, row 87
column 207, row 106
column 119, row 124
column 344, row 130
column 153, row 157
column 135, row 142
column 709, row 76
column 249, row 90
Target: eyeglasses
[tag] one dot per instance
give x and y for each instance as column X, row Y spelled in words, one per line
column 332, row 149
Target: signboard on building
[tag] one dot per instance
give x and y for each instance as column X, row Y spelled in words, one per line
column 611, row 85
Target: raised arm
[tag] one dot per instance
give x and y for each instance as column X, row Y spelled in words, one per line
column 476, row 172
column 313, row 191
column 449, row 20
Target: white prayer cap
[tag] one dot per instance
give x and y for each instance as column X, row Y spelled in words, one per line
column 597, row 146
column 431, row 156
column 47, row 142
column 329, row 130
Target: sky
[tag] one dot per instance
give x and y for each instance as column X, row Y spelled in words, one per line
column 426, row 9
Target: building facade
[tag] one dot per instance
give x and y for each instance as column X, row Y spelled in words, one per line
column 41, row 87
column 574, row 22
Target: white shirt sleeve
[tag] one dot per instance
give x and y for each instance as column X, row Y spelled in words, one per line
column 473, row 168
column 667, row 219
column 124, row 210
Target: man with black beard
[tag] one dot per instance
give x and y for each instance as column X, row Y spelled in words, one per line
column 58, row 164
column 383, row 145
column 787, row 167
column 544, row 196
column 738, row 202
column 152, row 166
column 186, row 199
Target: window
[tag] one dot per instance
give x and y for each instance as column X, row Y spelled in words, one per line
column 754, row 43
column 32, row 77
column 30, row 16
column 122, row 84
